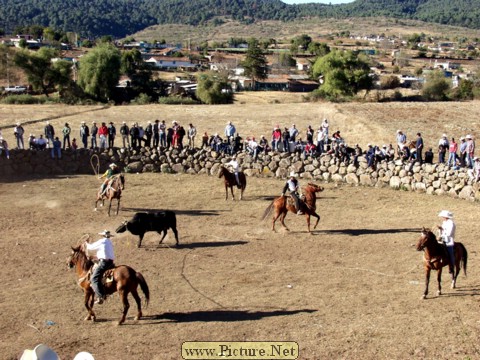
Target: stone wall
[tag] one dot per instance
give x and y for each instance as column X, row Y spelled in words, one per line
column 431, row 179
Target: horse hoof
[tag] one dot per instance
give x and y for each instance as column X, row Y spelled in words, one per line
column 87, row 318
column 439, row 293
column 95, row 209
column 424, row 297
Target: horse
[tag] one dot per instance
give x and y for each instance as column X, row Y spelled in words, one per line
column 435, row 258
column 231, row 181
column 113, row 191
column 282, row 205
column 125, row 281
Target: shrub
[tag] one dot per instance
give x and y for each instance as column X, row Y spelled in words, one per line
column 177, row 100
column 389, row 82
column 142, row 99
column 27, row 100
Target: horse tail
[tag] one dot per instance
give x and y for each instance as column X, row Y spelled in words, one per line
column 268, row 210
column 464, row 258
column 144, row 287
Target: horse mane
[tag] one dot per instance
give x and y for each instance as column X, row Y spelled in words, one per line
column 80, row 256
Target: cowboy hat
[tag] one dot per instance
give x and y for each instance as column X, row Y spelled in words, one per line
column 105, row 233
column 41, row 352
column 83, row 355
column 113, row 165
column 445, row 214
column 292, row 174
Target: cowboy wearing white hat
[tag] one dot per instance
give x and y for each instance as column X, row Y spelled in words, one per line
column 102, row 250
column 108, row 175
column 292, row 186
column 447, row 233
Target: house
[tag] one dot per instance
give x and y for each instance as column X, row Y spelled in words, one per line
column 171, row 63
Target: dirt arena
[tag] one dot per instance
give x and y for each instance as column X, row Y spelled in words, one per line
column 351, row 290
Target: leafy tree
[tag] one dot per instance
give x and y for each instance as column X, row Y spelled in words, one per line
column 464, row 90
column 213, row 88
column 43, row 74
column 300, row 42
column 436, row 86
column 344, row 74
column 99, row 71
column 255, row 63
column 319, row 49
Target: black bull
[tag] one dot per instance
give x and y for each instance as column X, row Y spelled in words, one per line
column 143, row 222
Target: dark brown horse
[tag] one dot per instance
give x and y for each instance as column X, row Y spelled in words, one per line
column 283, row 204
column 125, row 281
column 113, row 191
column 435, row 258
column 231, row 181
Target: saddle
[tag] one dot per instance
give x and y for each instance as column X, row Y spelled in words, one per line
column 107, row 276
column 301, row 203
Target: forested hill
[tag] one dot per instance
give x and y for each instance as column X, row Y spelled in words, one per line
column 122, row 17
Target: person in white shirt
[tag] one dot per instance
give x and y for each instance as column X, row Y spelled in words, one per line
column 447, row 233
column 101, row 250
column 235, row 167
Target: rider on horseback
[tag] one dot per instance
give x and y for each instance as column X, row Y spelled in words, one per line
column 292, row 186
column 236, row 169
column 447, row 230
column 109, row 174
column 102, row 250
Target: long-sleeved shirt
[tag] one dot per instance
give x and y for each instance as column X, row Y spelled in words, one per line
column 448, row 232
column 102, row 249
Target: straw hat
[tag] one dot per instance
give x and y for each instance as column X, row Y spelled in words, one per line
column 445, row 214
column 105, row 233
column 41, row 352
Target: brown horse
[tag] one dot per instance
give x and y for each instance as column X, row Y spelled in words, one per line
column 283, row 204
column 125, row 281
column 231, row 181
column 435, row 258
column 113, row 191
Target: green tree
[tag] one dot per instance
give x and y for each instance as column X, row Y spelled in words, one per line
column 43, row 73
column 319, row 49
column 285, row 59
column 436, row 86
column 344, row 74
column 213, row 88
column 255, row 63
column 99, row 71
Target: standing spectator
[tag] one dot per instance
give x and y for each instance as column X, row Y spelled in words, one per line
column 192, row 132
column 134, row 135
column 293, row 132
column 156, row 134
column 18, row 131
column 357, row 154
column 401, row 141
column 325, row 127
column 370, row 156
column 419, row 148
column 320, row 140
column 181, row 134
column 286, row 140
column 148, row 134
column 74, row 148
column 470, row 150
column 463, row 152
column 429, row 156
column 125, row 132
column 230, row 131
column 276, row 138
column 56, row 148
column 169, row 137
column 162, row 130
column 309, row 134
column 205, row 140
column 32, row 142
column 84, row 134
column 93, row 134
column 112, row 132
column 140, row 136
column 237, row 143
column 49, row 132
column 442, row 148
column 452, row 153
column 102, row 135
column 66, row 135
column 4, row 147
column 263, row 144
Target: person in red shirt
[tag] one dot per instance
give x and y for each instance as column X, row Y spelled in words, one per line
column 452, row 153
column 102, row 134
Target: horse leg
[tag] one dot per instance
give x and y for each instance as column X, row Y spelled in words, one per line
column 427, row 280
column 241, row 192
column 226, row 192
column 308, row 223
column 275, row 217
column 318, row 219
column 118, row 206
column 233, row 196
column 439, row 280
column 109, row 207
column 124, row 296
column 139, row 304
column 282, row 219
column 88, row 298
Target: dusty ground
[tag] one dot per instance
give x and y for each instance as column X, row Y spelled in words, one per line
column 349, row 291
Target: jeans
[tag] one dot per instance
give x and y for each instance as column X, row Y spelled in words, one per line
column 58, row 151
column 93, row 140
column 451, row 158
column 96, row 280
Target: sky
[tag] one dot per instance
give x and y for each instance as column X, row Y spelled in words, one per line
column 317, row 1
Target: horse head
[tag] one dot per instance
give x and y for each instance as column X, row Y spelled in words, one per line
column 72, row 259
column 314, row 187
column 122, row 228
column 78, row 258
column 426, row 236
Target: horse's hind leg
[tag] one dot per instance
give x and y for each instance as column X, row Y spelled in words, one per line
column 124, row 297
column 282, row 219
column 231, row 190
column 139, row 304
column 318, row 220
column 439, row 280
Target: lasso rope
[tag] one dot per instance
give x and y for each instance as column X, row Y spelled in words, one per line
column 96, row 169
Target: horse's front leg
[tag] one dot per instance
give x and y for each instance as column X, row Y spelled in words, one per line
column 427, row 280
column 318, row 220
column 109, row 207
column 308, row 223
column 226, row 192
column 231, row 190
column 439, row 280
column 118, row 206
column 88, row 299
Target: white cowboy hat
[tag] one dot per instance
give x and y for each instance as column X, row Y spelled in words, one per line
column 468, row 137
column 112, row 165
column 292, row 174
column 83, row 355
column 445, row 214
column 444, row 135
column 105, row 233
column 41, row 352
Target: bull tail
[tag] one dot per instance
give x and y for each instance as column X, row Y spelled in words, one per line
column 144, row 287
column 268, row 210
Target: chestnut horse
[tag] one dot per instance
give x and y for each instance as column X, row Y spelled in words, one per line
column 231, row 181
column 113, row 191
column 125, row 281
column 435, row 258
column 283, row 204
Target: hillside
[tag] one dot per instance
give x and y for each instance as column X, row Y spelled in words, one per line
column 122, row 17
